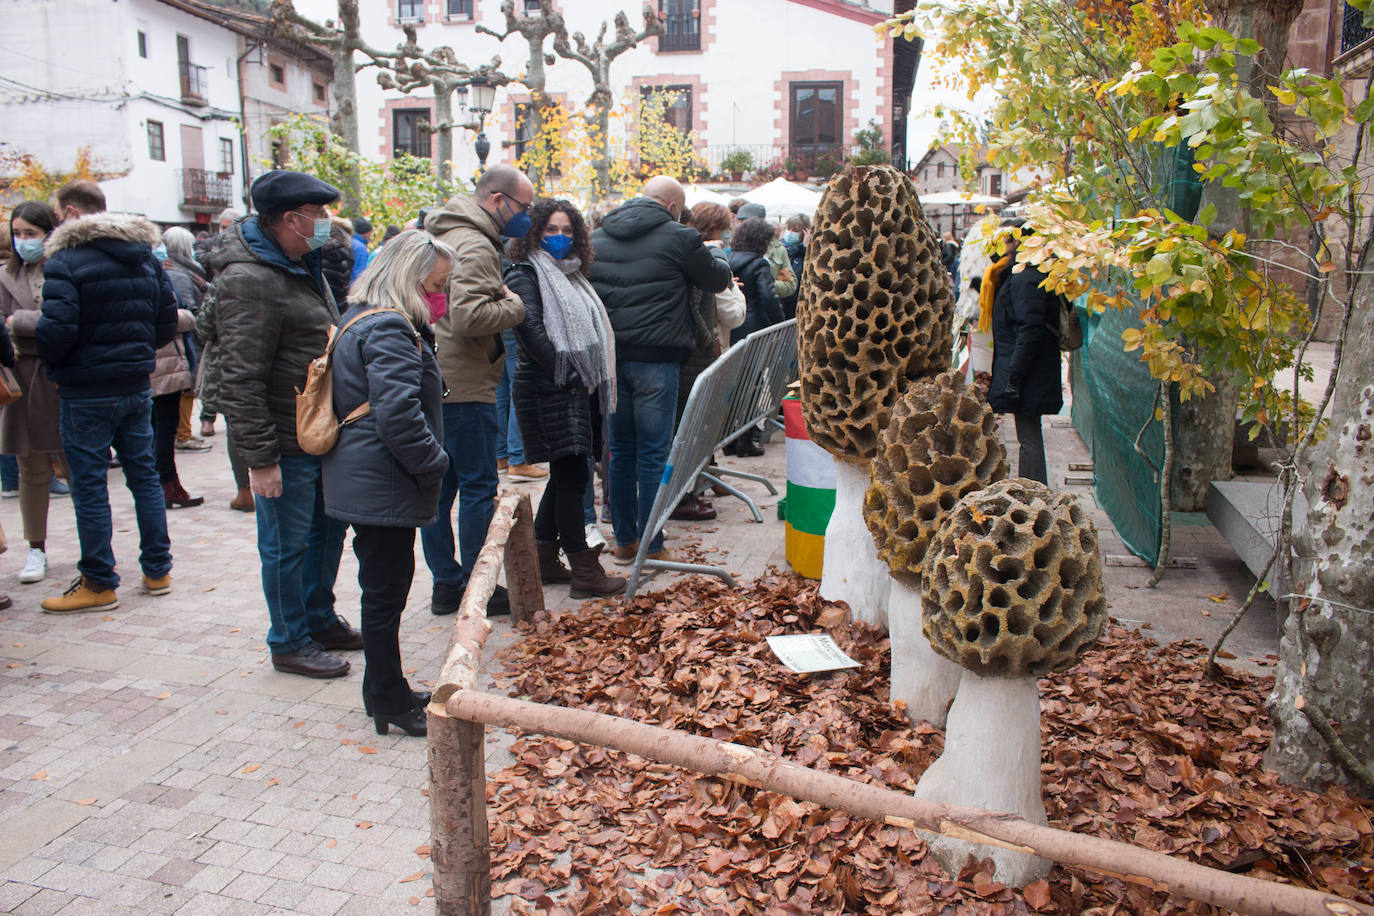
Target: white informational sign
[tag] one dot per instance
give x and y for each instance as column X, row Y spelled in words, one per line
column 810, row 652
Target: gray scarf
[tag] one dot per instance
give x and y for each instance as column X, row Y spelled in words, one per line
column 577, row 325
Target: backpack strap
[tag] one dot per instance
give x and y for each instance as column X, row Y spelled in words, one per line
column 363, row 409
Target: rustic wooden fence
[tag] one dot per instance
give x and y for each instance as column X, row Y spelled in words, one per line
column 459, row 712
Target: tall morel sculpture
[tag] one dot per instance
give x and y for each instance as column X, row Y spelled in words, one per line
column 1013, row 590
column 940, row 445
column 874, row 315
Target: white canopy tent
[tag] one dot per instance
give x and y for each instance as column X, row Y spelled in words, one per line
column 959, row 198
column 955, row 210
column 696, row 194
column 781, row 198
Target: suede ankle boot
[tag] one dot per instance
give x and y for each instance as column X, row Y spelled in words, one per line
column 551, row 569
column 589, row 580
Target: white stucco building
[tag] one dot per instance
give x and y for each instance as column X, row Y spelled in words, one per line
column 163, row 92
column 778, row 78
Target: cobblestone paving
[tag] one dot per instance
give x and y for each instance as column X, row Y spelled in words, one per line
column 151, row 761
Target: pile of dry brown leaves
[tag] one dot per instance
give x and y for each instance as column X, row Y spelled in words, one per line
column 1137, row 747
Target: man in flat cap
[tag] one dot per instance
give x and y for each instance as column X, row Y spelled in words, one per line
column 274, row 310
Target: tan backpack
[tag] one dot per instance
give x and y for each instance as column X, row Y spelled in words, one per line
column 317, row 427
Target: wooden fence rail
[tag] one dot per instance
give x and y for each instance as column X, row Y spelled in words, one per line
column 460, row 848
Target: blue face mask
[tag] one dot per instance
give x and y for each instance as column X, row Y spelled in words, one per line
column 160, row 252
column 517, row 226
column 557, row 245
column 319, row 233
column 791, row 238
column 29, row 249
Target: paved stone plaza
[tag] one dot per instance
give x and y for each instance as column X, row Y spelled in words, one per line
column 151, row 761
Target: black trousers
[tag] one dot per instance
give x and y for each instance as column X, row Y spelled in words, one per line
column 166, row 416
column 560, row 509
column 386, row 566
column 1031, row 460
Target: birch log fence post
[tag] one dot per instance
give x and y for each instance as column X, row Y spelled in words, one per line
column 523, row 584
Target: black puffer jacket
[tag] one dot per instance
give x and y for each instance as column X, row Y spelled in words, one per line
column 760, row 295
column 554, row 422
column 1025, row 347
column 273, row 316
column 646, row 264
column 107, row 306
column 336, row 259
column 387, row 467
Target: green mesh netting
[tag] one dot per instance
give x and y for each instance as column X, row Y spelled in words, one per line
column 1114, row 396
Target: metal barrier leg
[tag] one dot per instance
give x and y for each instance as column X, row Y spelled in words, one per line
column 674, row 566
column 738, row 494
column 744, row 475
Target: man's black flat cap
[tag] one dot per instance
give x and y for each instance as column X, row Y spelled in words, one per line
column 281, row 190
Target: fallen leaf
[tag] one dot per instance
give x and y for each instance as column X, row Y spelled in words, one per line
column 19, row 645
column 298, row 724
column 414, row 901
column 348, row 741
column 331, row 844
column 107, row 617
column 1220, row 599
column 274, row 781
column 40, row 775
column 367, row 749
column 235, row 629
column 422, row 850
column 162, row 696
column 415, row 877
column 1037, row 894
column 363, row 825
column 251, row 768
column 88, row 801
column 15, row 665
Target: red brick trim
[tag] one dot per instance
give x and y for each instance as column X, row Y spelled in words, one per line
column 840, row 8
column 707, row 8
column 679, row 79
column 782, row 101
column 391, row 106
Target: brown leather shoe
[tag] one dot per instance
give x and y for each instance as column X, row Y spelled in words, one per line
column 589, row 580
column 693, row 509
column 624, row 556
column 311, row 661
column 243, row 501
column 339, row 636
column 551, row 569
column 177, row 497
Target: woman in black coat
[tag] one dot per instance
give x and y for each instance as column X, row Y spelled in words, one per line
column 1025, row 362
column 383, row 476
column 566, row 358
column 763, row 308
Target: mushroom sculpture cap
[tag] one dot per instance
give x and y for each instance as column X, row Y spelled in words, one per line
column 940, row 445
column 875, row 310
column 1013, row 582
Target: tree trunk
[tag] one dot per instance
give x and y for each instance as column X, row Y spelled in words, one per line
column 1206, row 430
column 1325, row 653
column 1204, row 436
column 602, row 144
column 443, row 136
column 346, row 97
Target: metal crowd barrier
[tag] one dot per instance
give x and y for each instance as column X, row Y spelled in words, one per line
column 743, row 387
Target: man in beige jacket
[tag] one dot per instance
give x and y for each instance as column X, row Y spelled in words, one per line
column 471, row 357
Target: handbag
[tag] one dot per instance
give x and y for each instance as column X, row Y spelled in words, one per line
column 10, row 391
column 1070, row 330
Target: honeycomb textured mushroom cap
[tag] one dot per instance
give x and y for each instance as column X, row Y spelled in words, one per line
column 940, row 445
column 875, row 310
column 1013, row 582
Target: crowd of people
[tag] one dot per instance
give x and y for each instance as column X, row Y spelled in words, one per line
column 496, row 333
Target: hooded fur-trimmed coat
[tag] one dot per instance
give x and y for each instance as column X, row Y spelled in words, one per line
column 107, row 306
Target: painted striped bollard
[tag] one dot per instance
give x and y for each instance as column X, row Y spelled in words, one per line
column 810, row 494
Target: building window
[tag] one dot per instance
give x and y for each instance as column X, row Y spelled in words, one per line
column 143, row 44
column 276, row 75
column 531, row 6
column 817, row 116
column 226, row 156
column 995, row 185
column 410, row 132
column 460, row 9
column 319, row 93
column 681, row 25
column 410, row 10
column 939, row 170
column 677, row 104
column 157, row 148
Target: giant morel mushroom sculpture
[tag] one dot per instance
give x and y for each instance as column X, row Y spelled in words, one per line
column 940, row 445
column 874, row 314
column 1013, row 590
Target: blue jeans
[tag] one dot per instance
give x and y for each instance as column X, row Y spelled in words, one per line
column 90, row 426
column 641, row 436
column 470, row 434
column 589, row 495
column 509, row 445
column 9, row 472
column 300, row 548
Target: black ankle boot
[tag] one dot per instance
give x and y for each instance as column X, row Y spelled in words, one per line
column 413, row 723
column 422, row 698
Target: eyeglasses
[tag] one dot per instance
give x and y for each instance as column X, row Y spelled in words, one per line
column 524, row 207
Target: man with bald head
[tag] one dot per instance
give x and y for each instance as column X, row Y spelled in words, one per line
column 472, row 357
column 646, row 265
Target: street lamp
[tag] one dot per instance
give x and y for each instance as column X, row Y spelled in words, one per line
column 483, row 98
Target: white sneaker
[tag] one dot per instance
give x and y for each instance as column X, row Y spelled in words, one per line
column 594, row 537
column 35, row 568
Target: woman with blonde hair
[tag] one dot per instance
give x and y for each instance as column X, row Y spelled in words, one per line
column 383, row 476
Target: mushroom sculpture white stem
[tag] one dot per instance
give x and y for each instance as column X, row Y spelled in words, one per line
column 921, row 678
column 991, row 761
column 1012, row 583
column 852, row 572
